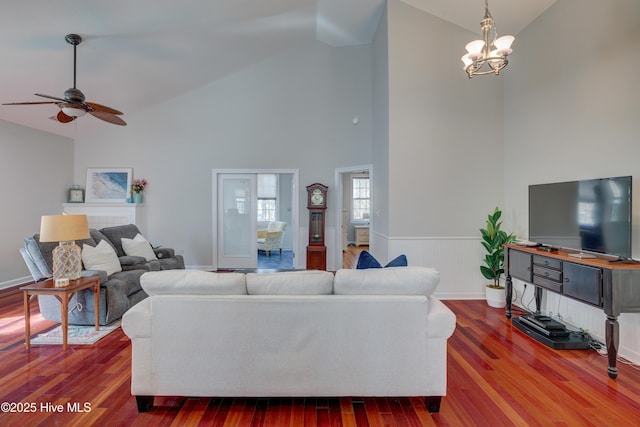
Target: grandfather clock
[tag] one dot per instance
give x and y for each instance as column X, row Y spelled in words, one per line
column 317, row 205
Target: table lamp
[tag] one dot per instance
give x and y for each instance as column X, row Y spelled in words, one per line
column 66, row 229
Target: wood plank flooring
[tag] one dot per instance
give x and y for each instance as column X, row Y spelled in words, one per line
column 351, row 254
column 497, row 376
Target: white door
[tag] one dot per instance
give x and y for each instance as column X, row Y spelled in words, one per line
column 237, row 212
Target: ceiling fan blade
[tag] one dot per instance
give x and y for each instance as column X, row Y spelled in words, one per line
column 29, row 103
column 51, row 97
column 103, row 108
column 108, row 117
column 63, row 118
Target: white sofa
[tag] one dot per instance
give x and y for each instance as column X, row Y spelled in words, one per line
column 376, row 332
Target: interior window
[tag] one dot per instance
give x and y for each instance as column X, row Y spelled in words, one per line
column 267, row 196
column 360, row 199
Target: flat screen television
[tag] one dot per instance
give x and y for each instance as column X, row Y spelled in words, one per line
column 591, row 216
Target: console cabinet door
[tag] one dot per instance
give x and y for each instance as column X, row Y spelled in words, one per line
column 520, row 265
column 583, row 283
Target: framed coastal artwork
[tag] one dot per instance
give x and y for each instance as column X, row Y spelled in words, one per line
column 108, row 185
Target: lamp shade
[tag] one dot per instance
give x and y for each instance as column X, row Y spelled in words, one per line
column 504, row 42
column 73, row 111
column 63, row 228
column 475, row 48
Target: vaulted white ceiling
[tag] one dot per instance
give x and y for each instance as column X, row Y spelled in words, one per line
column 136, row 54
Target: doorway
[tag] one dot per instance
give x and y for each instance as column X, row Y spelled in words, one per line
column 236, row 213
column 353, row 217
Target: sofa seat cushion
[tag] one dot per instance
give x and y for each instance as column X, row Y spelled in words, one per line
column 386, row 281
column 177, row 282
column 310, row 282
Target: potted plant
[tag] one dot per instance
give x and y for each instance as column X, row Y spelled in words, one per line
column 137, row 187
column 493, row 239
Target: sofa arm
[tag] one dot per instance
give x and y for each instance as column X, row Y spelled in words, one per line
column 164, row 252
column 262, row 234
column 442, row 321
column 136, row 322
column 130, row 262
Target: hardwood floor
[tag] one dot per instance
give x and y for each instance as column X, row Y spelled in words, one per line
column 350, row 256
column 497, row 376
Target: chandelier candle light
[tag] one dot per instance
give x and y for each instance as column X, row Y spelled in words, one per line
column 65, row 229
column 492, row 52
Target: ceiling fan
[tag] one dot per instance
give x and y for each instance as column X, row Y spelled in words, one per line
column 73, row 105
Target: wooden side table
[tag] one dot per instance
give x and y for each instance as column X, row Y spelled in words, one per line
column 63, row 294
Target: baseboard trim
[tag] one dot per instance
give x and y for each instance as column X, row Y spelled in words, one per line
column 15, row 282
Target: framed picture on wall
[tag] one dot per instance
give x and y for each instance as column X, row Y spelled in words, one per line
column 108, row 185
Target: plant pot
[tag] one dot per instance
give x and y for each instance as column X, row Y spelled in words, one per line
column 137, row 197
column 496, row 297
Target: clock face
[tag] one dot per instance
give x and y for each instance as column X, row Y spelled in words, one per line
column 317, row 198
column 76, row 196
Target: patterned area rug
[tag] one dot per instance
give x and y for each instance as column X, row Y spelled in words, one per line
column 83, row 335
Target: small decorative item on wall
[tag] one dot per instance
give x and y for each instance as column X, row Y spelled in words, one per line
column 108, row 185
column 137, row 188
column 76, row 194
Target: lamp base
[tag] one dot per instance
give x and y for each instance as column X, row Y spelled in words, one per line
column 67, row 261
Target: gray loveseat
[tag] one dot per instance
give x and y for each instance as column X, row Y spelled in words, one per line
column 118, row 292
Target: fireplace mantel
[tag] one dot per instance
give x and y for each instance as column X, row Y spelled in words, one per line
column 100, row 215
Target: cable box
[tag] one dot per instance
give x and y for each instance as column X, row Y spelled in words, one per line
column 573, row 341
column 555, row 329
column 544, row 322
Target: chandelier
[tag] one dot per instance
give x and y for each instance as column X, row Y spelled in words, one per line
column 488, row 55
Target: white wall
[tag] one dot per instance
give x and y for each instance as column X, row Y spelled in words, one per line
column 292, row 111
column 441, row 166
column 36, row 171
column 572, row 104
column 380, row 140
column 445, row 139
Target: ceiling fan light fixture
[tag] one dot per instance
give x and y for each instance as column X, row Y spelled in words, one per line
column 73, row 104
column 73, row 111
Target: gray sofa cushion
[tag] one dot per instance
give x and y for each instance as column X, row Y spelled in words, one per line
column 116, row 233
column 42, row 252
column 32, row 247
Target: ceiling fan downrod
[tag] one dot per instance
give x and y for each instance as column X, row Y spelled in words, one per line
column 73, row 94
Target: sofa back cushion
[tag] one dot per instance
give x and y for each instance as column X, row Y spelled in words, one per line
column 194, row 282
column 117, row 232
column 311, row 282
column 42, row 252
column 386, row 281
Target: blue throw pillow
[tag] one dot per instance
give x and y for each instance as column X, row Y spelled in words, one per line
column 366, row 260
column 399, row 261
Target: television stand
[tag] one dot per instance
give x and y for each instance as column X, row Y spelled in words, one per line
column 611, row 287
